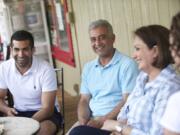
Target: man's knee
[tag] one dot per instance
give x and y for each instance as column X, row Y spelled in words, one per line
column 73, row 126
column 76, row 130
column 47, row 127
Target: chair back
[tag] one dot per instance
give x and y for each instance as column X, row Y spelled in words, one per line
column 60, row 84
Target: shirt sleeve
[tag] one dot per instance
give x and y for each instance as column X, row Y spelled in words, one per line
column 2, row 79
column 125, row 109
column 159, row 108
column 171, row 117
column 49, row 81
column 84, row 85
column 128, row 76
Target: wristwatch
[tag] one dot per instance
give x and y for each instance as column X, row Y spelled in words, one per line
column 119, row 128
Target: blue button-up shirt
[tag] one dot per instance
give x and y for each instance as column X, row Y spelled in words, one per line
column 145, row 106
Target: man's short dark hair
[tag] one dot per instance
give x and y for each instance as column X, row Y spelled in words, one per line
column 22, row 35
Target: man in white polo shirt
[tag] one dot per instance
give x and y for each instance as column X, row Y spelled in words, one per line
column 32, row 82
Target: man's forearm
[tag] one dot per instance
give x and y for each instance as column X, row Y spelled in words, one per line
column 42, row 114
column 3, row 106
column 113, row 114
column 83, row 112
column 47, row 109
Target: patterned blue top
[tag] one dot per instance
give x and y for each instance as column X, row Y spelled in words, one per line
column 145, row 106
column 107, row 84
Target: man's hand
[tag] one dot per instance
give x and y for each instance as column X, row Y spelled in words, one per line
column 11, row 112
column 83, row 121
column 97, row 123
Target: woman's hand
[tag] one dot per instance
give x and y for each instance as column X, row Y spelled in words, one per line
column 110, row 125
column 115, row 133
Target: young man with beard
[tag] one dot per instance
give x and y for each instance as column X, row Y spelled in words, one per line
column 32, row 83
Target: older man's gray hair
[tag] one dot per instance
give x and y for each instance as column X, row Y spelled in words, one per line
column 101, row 23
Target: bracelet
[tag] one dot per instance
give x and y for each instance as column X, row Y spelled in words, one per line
column 119, row 128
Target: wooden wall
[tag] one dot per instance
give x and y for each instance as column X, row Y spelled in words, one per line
column 124, row 15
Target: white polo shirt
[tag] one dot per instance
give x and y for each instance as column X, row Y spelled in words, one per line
column 171, row 117
column 27, row 89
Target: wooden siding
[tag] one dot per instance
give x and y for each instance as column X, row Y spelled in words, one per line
column 124, row 15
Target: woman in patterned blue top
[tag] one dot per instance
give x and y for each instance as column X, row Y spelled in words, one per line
column 156, row 82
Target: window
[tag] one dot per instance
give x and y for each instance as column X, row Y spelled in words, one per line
column 62, row 48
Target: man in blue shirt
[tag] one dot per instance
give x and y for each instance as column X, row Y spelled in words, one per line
column 107, row 80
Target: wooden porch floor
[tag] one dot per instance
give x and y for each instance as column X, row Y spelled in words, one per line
column 70, row 109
